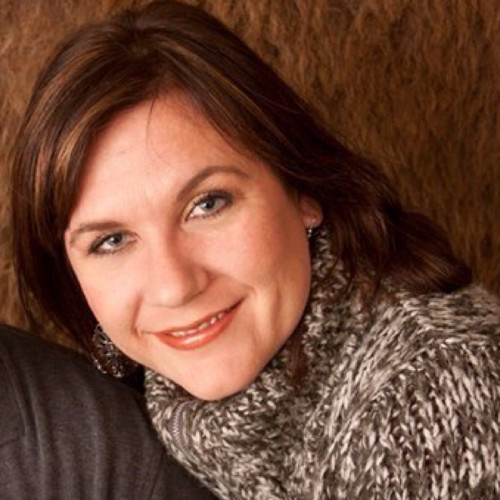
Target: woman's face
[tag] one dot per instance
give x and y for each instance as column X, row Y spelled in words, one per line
column 192, row 256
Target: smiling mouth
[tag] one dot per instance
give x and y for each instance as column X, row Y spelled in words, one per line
column 181, row 332
column 199, row 333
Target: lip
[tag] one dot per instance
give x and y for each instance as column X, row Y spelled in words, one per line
column 192, row 337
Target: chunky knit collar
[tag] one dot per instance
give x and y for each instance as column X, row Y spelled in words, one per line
column 260, row 442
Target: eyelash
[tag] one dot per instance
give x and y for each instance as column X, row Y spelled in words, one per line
column 96, row 247
column 227, row 199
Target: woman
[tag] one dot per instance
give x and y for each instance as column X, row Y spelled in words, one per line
column 303, row 335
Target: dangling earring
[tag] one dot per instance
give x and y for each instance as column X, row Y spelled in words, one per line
column 107, row 358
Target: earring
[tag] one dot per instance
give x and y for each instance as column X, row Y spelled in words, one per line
column 107, row 358
column 310, row 230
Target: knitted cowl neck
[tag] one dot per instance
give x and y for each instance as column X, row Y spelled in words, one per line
column 260, row 442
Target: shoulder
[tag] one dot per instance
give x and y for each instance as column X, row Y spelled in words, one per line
column 468, row 311
column 44, row 375
column 423, row 410
column 70, row 432
column 405, row 332
column 465, row 313
column 440, row 332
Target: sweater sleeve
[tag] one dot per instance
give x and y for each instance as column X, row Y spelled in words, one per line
column 432, row 431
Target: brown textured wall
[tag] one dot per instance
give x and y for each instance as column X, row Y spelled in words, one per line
column 414, row 85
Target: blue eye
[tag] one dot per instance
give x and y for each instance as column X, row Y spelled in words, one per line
column 109, row 243
column 210, row 204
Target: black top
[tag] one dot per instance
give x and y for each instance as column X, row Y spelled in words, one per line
column 68, row 432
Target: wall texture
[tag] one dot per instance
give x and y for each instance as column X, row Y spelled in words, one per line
column 413, row 85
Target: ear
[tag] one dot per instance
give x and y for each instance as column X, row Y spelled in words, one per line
column 311, row 212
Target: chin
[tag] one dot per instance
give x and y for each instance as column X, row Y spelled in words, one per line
column 215, row 394
column 217, row 391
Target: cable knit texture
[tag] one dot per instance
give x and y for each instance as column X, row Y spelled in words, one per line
column 401, row 400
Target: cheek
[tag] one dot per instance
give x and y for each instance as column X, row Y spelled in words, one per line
column 110, row 296
column 269, row 252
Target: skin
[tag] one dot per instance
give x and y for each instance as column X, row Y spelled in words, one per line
column 172, row 225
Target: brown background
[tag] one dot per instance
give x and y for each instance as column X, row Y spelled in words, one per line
column 413, row 85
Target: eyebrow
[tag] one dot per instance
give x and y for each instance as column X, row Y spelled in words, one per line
column 89, row 227
column 207, row 172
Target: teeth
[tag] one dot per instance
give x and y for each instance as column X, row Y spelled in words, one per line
column 201, row 326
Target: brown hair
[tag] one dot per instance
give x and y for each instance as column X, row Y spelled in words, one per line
column 114, row 64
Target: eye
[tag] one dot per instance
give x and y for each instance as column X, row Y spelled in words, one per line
column 109, row 243
column 210, row 204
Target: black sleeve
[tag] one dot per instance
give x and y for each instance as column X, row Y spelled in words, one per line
column 68, row 432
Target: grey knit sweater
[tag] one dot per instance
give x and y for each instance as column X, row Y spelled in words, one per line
column 401, row 401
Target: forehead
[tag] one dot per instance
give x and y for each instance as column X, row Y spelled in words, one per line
column 155, row 127
column 164, row 141
column 167, row 130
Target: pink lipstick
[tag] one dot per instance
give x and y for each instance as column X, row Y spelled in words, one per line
column 200, row 333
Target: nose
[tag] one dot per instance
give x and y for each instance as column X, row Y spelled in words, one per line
column 175, row 275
